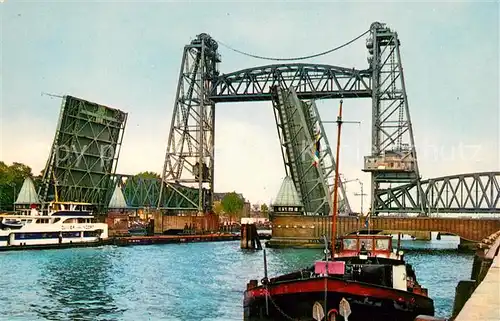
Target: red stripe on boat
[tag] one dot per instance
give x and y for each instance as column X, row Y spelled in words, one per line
column 340, row 286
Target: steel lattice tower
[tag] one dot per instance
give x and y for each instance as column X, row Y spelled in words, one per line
column 190, row 151
column 393, row 158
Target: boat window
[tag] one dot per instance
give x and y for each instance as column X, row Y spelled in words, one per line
column 350, row 244
column 383, row 244
column 368, row 244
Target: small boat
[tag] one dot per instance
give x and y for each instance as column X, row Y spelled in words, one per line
column 64, row 222
column 361, row 278
column 13, row 222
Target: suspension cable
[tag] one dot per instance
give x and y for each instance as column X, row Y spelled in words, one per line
column 295, row 58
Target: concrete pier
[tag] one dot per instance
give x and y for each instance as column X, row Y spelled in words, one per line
column 479, row 297
column 484, row 304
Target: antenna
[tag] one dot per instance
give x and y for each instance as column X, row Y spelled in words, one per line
column 51, row 95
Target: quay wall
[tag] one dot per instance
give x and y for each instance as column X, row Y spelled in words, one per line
column 479, row 297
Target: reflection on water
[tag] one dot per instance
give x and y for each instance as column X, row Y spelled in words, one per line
column 199, row 281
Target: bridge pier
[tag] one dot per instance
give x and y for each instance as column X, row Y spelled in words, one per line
column 466, row 245
column 421, row 235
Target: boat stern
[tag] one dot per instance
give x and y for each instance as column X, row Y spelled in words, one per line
column 103, row 227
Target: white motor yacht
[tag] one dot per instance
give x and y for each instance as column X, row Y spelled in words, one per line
column 64, row 222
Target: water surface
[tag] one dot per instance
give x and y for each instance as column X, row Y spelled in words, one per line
column 197, row 281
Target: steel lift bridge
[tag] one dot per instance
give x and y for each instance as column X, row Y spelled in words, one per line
column 292, row 88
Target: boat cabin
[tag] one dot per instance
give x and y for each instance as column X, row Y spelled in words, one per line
column 69, row 208
column 366, row 245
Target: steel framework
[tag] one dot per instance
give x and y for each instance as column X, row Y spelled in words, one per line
column 298, row 123
column 84, row 153
column 142, row 192
column 393, row 158
column 310, row 81
column 190, row 151
column 465, row 193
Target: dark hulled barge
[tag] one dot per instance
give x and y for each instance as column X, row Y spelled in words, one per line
column 372, row 281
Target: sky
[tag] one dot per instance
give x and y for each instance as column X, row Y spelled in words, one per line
column 127, row 55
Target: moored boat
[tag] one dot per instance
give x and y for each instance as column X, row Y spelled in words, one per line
column 65, row 222
column 372, row 282
column 361, row 278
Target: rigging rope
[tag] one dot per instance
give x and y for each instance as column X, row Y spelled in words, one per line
column 295, row 58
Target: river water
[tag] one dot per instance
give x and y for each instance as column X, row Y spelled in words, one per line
column 197, row 281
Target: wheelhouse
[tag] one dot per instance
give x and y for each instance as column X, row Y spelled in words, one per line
column 372, row 245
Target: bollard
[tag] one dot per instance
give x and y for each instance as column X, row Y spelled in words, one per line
column 250, row 237
column 243, row 236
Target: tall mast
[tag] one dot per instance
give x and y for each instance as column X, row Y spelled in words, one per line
column 336, row 183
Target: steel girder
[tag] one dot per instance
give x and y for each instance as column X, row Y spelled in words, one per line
column 310, row 81
column 465, row 193
column 298, row 122
column 84, row 153
column 142, row 192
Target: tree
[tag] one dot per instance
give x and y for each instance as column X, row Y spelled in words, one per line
column 255, row 207
column 232, row 204
column 218, row 208
column 148, row 175
column 264, row 210
column 11, row 180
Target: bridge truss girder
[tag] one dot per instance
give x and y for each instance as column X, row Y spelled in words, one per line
column 140, row 192
column 310, row 81
column 464, row 193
